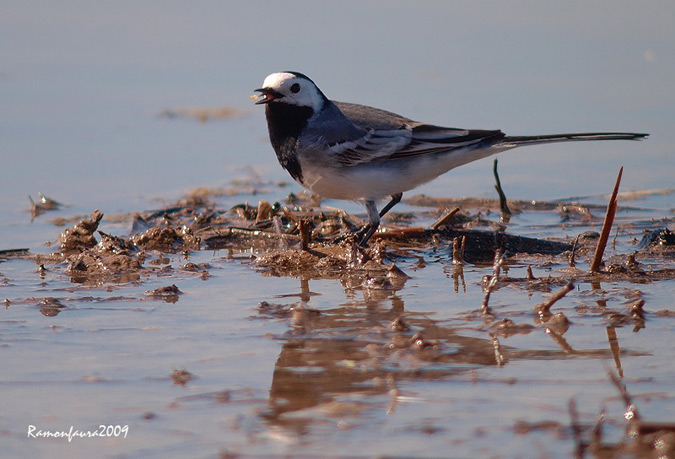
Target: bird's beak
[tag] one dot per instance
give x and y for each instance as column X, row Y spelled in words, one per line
column 268, row 95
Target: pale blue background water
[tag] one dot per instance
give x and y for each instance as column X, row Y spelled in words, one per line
column 82, row 84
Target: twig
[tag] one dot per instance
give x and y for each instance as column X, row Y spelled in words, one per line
column 265, row 211
column 573, row 252
column 395, row 233
column 606, row 226
column 496, row 267
column 289, row 214
column 444, row 218
column 530, row 275
column 503, row 207
column 616, row 234
column 13, row 252
column 543, row 308
column 305, row 233
column 458, row 250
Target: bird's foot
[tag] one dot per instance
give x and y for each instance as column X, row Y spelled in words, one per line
column 362, row 235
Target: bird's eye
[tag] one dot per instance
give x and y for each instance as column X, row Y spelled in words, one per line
column 295, row 88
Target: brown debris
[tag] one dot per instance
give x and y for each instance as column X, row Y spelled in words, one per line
column 43, row 204
column 181, row 377
column 662, row 237
column 81, row 236
column 167, row 239
column 558, row 323
column 444, row 219
column 168, row 294
column 118, row 259
column 89, row 261
column 506, row 327
column 324, row 261
column 92, row 267
column 302, row 239
column 13, row 252
column 50, row 307
column 203, row 114
column 480, row 246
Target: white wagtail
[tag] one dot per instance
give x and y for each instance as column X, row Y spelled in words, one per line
column 359, row 153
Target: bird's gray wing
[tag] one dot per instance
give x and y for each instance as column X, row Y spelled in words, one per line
column 367, row 118
column 386, row 136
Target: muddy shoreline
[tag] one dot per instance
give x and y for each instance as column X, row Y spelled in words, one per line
column 378, row 349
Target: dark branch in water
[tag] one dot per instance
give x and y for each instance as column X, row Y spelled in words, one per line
column 503, row 207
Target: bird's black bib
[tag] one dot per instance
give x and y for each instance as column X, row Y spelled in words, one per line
column 285, row 122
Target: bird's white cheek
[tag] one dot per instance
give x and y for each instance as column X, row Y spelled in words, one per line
column 314, row 99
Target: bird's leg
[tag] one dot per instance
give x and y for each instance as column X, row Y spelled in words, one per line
column 374, row 217
column 373, row 222
column 395, row 199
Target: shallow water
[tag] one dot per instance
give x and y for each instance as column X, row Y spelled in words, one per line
column 311, row 366
column 83, row 89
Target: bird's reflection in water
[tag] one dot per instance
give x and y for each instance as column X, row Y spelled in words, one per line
column 342, row 362
column 333, row 362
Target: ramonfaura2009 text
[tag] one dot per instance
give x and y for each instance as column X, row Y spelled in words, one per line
column 101, row 431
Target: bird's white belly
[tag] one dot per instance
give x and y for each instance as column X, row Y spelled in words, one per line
column 383, row 179
column 352, row 186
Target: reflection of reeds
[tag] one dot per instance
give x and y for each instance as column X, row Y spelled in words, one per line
column 641, row 439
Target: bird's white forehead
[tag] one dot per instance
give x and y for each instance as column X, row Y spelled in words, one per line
column 276, row 80
column 308, row 95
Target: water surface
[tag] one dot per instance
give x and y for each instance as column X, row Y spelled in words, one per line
column 83, row 89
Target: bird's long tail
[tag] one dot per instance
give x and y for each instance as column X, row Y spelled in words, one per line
column 518, row 141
